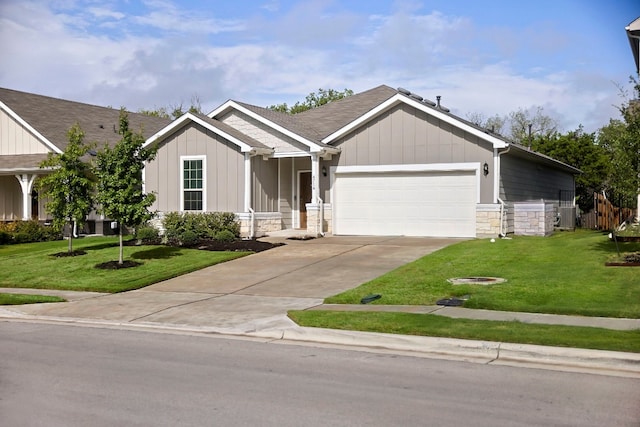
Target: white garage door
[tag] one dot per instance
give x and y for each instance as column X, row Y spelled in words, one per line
column 440, row 203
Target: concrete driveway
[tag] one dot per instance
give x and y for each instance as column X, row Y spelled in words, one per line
column 255, row 292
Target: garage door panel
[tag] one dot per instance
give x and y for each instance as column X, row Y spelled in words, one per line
column 411, row 204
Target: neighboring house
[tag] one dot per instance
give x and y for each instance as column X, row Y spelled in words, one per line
column 381, row 162
column 31, row 127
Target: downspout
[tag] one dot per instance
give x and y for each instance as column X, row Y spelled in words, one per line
column 252, row 232
column 498, row 172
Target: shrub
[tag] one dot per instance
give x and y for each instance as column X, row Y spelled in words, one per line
column 225, row 236
column 147, row 234
column 27, row 232
column 203, row 225
column 188, row 238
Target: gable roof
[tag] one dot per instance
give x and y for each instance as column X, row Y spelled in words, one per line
column 633, row 33
column 51, row 118
column 284, row 123
column 246, row 143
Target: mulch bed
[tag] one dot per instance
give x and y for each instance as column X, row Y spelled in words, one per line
column 252, row 245
column 629, row 260
column 68, row 254
column 114, row 265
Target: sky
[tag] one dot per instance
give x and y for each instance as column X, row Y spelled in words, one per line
column 486, row 58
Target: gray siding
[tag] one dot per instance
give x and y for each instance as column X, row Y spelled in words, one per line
column 405, row 135
column 224, row 174
column 523, row 180
column 264, row 184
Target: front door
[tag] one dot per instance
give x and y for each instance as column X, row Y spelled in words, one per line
column 304, row 196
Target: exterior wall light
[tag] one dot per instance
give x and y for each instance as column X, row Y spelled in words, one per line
column 324, row 171
column 485, row 169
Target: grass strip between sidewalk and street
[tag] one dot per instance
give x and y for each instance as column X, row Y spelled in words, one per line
column 482, row 330
column 19, row 299
column 33, row 265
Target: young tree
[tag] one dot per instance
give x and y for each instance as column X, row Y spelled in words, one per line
column 119, row 171
column 69, row 188
column 313, row 100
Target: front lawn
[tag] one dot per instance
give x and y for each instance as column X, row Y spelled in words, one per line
column 561, row 274
column 32, row 265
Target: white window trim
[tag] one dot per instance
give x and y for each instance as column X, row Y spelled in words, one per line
column 204, row 181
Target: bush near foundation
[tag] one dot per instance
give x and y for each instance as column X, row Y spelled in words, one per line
column 27, row 232
column 204, row 226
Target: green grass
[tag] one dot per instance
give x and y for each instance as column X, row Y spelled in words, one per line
column 33, row 266
column 561, row 274
column 439, row 326
column 17, row 299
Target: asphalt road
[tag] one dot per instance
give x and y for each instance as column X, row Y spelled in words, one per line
column 59, row 375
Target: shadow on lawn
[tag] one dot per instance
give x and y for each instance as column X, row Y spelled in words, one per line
column 608, row 246
column 163, row 252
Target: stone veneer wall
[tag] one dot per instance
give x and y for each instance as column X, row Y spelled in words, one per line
column 313, row 219
column 533, row 218
column 264, row 222
column 488, row 220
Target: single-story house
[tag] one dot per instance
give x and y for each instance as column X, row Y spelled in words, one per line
column 31, row 127
column 381, row 162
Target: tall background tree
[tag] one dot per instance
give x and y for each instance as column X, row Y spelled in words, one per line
column 174, row 111
column 621, row 138
column 119, row 171
column 69, row 188
column 312, row 100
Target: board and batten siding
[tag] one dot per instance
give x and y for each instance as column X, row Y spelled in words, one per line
column 10, row 198
column 265, row 184
column 522, row 181
column 16, row 139
column 263, row 133
column 406, row 135
column 224, row 170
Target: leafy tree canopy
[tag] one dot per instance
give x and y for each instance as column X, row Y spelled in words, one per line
column 119, row 171
column 176, row 110
column 69, row 188
column 522, row 125
column 313, row 100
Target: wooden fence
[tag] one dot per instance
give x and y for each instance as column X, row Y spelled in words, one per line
column 605, row 216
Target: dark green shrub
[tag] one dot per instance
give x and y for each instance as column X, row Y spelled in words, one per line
column 32, row 229
column 147, row 234
column 225, row 236
column 204, row 225
column 188, row 238
column 5, row 238
column 22, row 237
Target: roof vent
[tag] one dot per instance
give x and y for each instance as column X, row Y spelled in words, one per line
column 416, row 96
column 404, row 91
column 429, row 102
column 441, row 107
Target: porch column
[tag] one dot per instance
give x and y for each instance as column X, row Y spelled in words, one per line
column 315, row 178
column 247, row 182
column 26, row 183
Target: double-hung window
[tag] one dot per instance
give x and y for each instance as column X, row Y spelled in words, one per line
column 193, row 183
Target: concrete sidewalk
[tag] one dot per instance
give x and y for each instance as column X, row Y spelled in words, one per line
column 250, row 296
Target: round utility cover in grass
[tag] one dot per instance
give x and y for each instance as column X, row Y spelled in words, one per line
column 476, row 280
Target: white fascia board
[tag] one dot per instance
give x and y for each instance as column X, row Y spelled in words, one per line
column 396, row 99
column 176, row 124
column 231, row 104
column 283, row 154
column 30, row 128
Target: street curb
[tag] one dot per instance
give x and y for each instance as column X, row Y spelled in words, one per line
column 599, row 362
column 497, row 353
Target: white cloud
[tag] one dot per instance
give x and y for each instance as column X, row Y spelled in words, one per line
column 167, row 54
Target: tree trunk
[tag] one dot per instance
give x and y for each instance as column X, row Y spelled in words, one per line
column 120, row 259
column 70, row 249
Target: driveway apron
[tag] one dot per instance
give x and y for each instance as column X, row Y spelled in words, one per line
column 254, row 292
